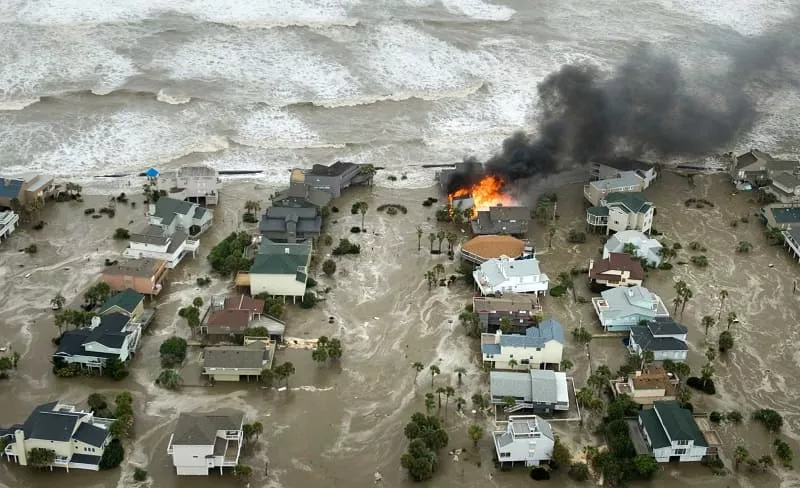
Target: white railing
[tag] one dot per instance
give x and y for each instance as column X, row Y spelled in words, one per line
column 169, row 445
column 233, row 434
column 191, row 245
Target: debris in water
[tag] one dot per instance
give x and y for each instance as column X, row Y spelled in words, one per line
column 378, row 477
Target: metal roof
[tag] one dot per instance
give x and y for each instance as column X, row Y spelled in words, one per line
column 200, row 429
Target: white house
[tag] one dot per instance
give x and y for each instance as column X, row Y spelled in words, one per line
column 202, row 441
column 645, row 247
column 621, row 308
column 539, row 390
column 622, row 211
column 77, row 438
column 193, row 183
column 8, row 223
column 527, row 439
column 541, row 346
column 662, row 336
column 506, row 275
column 155, row 242
column 280, row 269
column 671, row 433
column 176, row 215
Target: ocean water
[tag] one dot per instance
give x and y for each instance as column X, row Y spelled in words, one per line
column 90, row 88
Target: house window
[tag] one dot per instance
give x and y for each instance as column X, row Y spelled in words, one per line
column 682, row 443
column 538, row 349
column 525, row 361
column 505, row 454
column 679, row 452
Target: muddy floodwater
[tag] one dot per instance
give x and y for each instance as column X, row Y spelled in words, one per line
column 340, row 424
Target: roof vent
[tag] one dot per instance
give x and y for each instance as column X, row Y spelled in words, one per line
column 286, row 250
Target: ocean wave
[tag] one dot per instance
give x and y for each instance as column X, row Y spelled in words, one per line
column 400, row 96
column 164, row 97
column 17, row 104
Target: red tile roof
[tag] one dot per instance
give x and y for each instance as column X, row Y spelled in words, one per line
column 616, row 261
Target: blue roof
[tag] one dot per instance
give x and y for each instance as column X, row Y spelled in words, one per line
column 151, row 173
column 490, row 349
column 537, row 336
column 10, row 187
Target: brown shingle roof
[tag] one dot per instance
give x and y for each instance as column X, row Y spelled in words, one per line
column 491, row 246
column 654, row 378
column 135, row 267
column 228, row 322
column 512, row 302
column 616, row 261
column 243, row 302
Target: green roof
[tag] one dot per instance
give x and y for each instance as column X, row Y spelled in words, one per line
column 127, row 300
column 671, row 422
column 598, row 211
column 634, row 202
column 285, row 259
column 167, row 208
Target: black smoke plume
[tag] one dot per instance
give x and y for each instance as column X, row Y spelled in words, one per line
column 648, row 105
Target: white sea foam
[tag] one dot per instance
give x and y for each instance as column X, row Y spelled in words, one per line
column 271, row 127
column 480, row 10
column 749, row 17
column 172, row 98
column 17, row 104
column 253, row 14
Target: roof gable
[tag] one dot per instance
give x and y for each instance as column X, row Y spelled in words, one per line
column 126, row 300
column 633, row 202
column 281, row 259
column 197, row 429
column 47, row 424
column 678, row 423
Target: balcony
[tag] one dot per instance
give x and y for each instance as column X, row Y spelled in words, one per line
column 233, row 435
column 191, row 245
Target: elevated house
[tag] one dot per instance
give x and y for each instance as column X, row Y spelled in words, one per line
column 618, row 309
column 234, row 363
column 643, row 246
column 646, row 387
column 502, row 220
column 177, row 215
column 606, row 168
column 144, row 275
column 203, row 441
column 621, row 211
column 479, row 249
column 279, row 269
column 521, row 310
column 115, row 333
column 24, row 190
column 539, row 348
column 618, row 269
column 506, row 275
column 77, row 438
column 527, row 439
column 662, row 336
column 537, row 390
column 198, row 184
column 227, row 318
column 781, row 216
column 336, row 177
column 618, row 175
column 300, row 193
column 8, row 223
column 755, row 168
column 155, row 242
column 671, row 433
column 290, row 224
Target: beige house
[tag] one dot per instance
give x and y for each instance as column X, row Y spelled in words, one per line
column 25, row 189
column 539, row 348
column 233, row 363
column 77, row 438
column 646, row 387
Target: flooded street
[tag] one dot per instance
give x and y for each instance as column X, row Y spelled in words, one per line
column 339, row 424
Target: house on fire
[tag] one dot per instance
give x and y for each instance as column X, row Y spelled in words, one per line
column 502, row 220
column 77, row 438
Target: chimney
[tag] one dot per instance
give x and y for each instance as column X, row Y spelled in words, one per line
column 497, row 336
column 286, row 250
column 95, row 322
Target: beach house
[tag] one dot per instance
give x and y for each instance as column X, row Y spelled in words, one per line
column 539, row 348
column 24, row 190
column 300, row 193
column 671, row 433
column 479, row 249
column 639, row 243
column 506, row 275
column 526, row 439
column 8, row 223
column 617, row 175
column 645, row 387
column 234, row 363
column 76, row 439
column 615, row 270
column 335, row 178
column 203, row 441
column 290, row 224
column 621, row 308
column 537, row 390
column 662, row 336
column 521, row 311
column 621, row 211
column 510, row 220
column 144, row 275
column 196, row 184
column 279, row 269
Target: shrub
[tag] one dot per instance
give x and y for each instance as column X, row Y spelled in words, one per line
column 391, row 178
column 557, row 291
column 715, row 417
column 769, row 418
column 429, row 202
column 699, row 261
column 311, row 282
column 121, row 233
column 579, row 471
column 346, row 247
column 576, row 237
column 665, row 266
column 392, row 208
column 329, row 267
column 355, row 230
column 39, row 225
column 327, row 240
column 227, row 257
column 113, row 455
column 173, row 351
column 250, row 218
column 309, row 300
column 696, row 246
column 355, row 208
column 88, row 211
column 706, row 386
column 735, row 417
column 32, row 249
column 109, row 262
column 335, row 209
column 203, row 281
column 540, row 474
column 139, row 475
column 783, row 451
column 391, row 211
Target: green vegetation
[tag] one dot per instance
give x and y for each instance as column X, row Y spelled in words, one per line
column 251, row 208
column 784, row 452
column 558, row 291
column 427, row 438
column 346, row 247
column 774, row 236
column 40, row 457
column 539, row 473
column 392, row 208
column 699, row 261
column 576, row 237
column 122, row 233
column 243, row 471
column 283, row 372
column 744, row 247
column 203, row 281
column 329, row 267
column 227, row 257
column 76, row 318
column 273, row 306
column 769, row 418
column 327, row 349
column 725, row 341
column 139, row 475
column 309, row 300
column 475, row 432
column 113, row 455
column 169, row 379
column 251, row 431
column 579, row 472
column 173, row 351
column 581, row 335
column 97, row 294
column 192, row 313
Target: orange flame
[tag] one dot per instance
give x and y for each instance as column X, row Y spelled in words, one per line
column 485, row 193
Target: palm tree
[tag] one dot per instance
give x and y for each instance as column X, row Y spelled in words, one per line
column 429, row 402
column 58, row 301
column 418, row 367
column 448, row 392
column 647, row 358
column 439, row 392
column 565, row 280
column 584, row 396
column 452, row 238
column 460, row 371
column 457, row 215
column 475, row 433
column 438, row 270
column 551, row 232
column 744, row 247
column 258, row 429
column 731, row 319
column 431, row 238
column 565, row 365
column 685, row 297
column 740, row 455
column 363, row 207
column 252, row 206
column 434, row 371
column 419, row 238
column 440, row 236
column 723, row 295
column 707, row 321
column 505, row 325
column 369, row 171
column 512, row 363
column 677, row 302
column 431, row 279
column 460, row 402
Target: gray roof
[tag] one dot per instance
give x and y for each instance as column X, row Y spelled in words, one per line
column 624, row 164
column 91, row 434
column 645, row 246
column 632, row 202
column 627, row 301
column 10, row 187
column 144, row 267
column 279, row 219
column 336, row 169
column 276, row 258
column 305, row 192
column 151, row 234
column 509, row 213
column 643, row 336
column 251, row 356
column 652, row 425
column 625, row 178
column 777, row 165
column 200, row 429
column 490, row 349
column 498, row 220
column 167, row 208
column 177, row 238
column 661, row 326
column 598, row 211
column 548, row 330
column 109, row 333
column 46, row 424
column 786, row 179
column 536, row 385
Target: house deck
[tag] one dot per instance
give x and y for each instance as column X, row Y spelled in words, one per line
column 637, row 437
